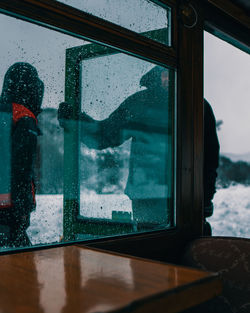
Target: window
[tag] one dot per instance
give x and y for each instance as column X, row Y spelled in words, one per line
column 109, row 168
column 137, row 15
column 125, row 156
column 45, row 50
column 226, row 88
column 91, row 41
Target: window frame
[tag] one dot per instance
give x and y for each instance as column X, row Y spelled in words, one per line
column 228, row 22
column 59, row 16
column 232, row 24
column 77, row 224
column 185, row 54
column 72, row 21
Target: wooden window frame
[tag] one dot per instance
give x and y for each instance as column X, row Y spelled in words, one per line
column 77, row 23
column 186, row 55
column 61, row 17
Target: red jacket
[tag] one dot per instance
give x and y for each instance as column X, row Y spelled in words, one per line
column 23, row 138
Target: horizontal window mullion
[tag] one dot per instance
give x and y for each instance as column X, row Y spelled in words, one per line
column 83, row 25
column 165, row 2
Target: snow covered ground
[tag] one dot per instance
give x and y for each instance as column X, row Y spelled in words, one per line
column 46, row 225
column 231, row 213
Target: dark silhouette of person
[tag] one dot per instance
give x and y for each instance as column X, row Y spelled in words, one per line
column 145, row 118
column 21, row 100
column 211, row 163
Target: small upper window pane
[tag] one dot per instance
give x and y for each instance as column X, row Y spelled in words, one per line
column 141, row 16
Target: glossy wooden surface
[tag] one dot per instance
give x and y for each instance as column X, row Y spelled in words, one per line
column 78, row 279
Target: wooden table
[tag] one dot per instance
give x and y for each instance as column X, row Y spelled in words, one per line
column 77, row 279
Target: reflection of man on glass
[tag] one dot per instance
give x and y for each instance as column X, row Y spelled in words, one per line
column 20, row 104
column 145, row 118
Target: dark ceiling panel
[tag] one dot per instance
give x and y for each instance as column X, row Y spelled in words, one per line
column 244, row 4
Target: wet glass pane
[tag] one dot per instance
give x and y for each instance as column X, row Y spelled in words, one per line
column 31, row 143
column 141, row 16
column 82, row 175
column 126, row 166
column 5, row 157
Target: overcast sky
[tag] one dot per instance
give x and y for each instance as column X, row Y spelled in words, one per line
column 227, row 88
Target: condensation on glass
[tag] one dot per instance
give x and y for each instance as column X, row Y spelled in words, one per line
column 112, row 171
column 126, row 141
column 141, row 16
column 44, row 51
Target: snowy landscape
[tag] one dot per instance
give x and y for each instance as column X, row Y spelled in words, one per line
column 229, row 100
column 231, row 213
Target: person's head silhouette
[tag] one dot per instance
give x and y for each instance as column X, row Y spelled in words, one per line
column 23, row 86
column 157, row 77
